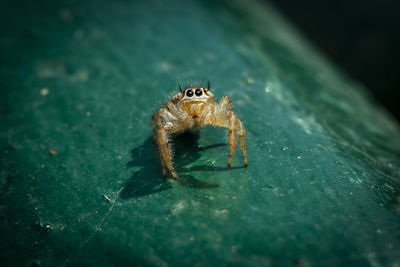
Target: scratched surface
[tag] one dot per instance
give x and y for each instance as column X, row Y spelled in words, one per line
column 80, row 181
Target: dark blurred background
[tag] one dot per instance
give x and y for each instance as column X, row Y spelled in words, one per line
column 360, row 36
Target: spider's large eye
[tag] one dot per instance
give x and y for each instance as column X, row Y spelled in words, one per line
column 189, row 93
column 199, row 92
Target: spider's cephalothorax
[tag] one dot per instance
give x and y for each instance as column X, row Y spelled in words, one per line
column 195, row 108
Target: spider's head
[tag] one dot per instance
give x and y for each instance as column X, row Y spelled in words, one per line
column 193, row 95
column 194, row 99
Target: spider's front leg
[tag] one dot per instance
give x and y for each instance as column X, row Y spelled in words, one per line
column 235, row 129
column 166, row 121
column 224, row 116
column 164, row 147
column 242, row 140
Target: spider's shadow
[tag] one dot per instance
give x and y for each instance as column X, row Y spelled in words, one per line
column 148, row 178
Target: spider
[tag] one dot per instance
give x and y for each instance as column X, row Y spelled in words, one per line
column 192, row 109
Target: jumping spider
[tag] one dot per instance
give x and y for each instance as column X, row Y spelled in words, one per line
column 194, row 108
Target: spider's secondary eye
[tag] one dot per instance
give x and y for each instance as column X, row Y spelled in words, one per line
column 199, row 92
column 189, row 93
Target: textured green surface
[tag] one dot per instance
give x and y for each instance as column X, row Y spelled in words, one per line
column 323, row 182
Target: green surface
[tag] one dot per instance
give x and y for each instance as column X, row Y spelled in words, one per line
column 84, row 77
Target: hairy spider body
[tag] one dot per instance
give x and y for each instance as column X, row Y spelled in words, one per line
column 194, row 108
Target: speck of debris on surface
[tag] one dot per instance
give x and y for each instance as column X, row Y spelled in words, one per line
column 107, row 197
column 44, row 91
column 52, row 151
column 224, row 211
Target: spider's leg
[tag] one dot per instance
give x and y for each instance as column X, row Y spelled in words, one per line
column 224, row 116
column 163, row 166
column 165, row 152
column 167, row 121
column 180, row 121
column 232, row 135
column 242, row 141
column 156, row 123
